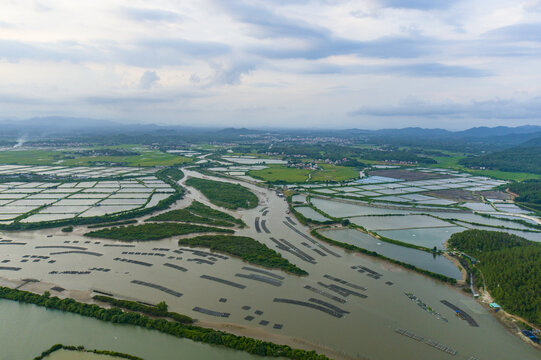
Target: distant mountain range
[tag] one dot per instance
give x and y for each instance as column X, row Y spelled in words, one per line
column 497, row 137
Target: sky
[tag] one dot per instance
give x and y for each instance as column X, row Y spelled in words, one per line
column 366, row 64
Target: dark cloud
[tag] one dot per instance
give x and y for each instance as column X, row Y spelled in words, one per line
column 150, row 15
column 490, row 109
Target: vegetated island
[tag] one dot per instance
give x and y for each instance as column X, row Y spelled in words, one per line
column 200, row 214
column 510, row 266
column 245, row 248
column 152, row 231
column 227, row 195
column 58, row 347
column 161, row 309
column 174, row 328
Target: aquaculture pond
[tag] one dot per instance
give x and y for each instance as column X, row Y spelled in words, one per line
column 311, row 214
column 418, row 258
column 426, row 237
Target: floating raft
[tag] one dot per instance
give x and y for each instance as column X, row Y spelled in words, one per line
column 291, row 220
column 292, row 249
column 264, row 226
column 428, row 342
column 223, row 281
column 342, row 291
column 136, row 262
column 323, row 293
column 10, row 268
column 330, row 306
column 175, row 267
column 142, row 253
column 118, row 245
column 464, row 314
column 60, row 247
column 338, row 280
column 370, row 273
column 211, row 312
column 260, row 278
column 310, row 305
column 201, row 261
column 268, row 273
column 157, row 287
column 76, row 252
column 311, row 240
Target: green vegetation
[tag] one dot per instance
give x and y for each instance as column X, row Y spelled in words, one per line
column 350, row 247
column 174, row 174
column 200, row 214
column 118, row 223
column 227, row 195
column 158, row 310
column 132, row 155
column 529, row 193
column 344, row 154
column 67, row 229
column 80, row 348
column 282, row 174
column 519, row 159
column 511, row 268
column 245, row 248
column 146, row 232
column 195, row 333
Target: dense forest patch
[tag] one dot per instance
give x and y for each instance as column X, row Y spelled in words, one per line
column 199, row 213
column 151, row 231
column 511, row 267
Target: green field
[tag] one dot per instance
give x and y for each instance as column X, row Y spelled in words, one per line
column 451, row 162
column 281, row 173
column 144, row 157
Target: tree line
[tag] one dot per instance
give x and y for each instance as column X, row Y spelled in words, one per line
column 174, row 328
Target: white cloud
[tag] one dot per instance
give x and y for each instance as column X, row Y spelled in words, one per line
column 264, row 63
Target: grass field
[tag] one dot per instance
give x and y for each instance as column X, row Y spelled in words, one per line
column 293, row 175
column 335, row 173
column 146, row 157
column 281, row 173
column 451, row 162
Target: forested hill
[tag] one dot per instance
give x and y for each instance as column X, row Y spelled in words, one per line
column 511, row 267
column 524, row 158
column 529, row 193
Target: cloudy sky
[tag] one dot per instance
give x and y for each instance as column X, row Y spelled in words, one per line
column 293, row 63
